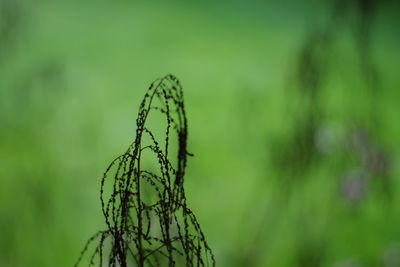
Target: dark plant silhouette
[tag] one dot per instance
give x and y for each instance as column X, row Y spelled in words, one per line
column 147, row 217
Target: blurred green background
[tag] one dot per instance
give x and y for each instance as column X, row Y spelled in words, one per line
column 293, row 110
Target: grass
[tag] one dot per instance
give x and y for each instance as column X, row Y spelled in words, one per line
column 161, row 231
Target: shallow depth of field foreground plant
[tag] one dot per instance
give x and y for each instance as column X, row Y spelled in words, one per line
column 145, row 210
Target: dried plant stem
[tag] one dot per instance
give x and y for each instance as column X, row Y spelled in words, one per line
column 138, row 230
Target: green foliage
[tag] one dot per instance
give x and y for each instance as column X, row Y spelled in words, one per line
column 269, row 187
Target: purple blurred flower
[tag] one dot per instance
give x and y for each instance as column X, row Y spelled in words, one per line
column 354, row 185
